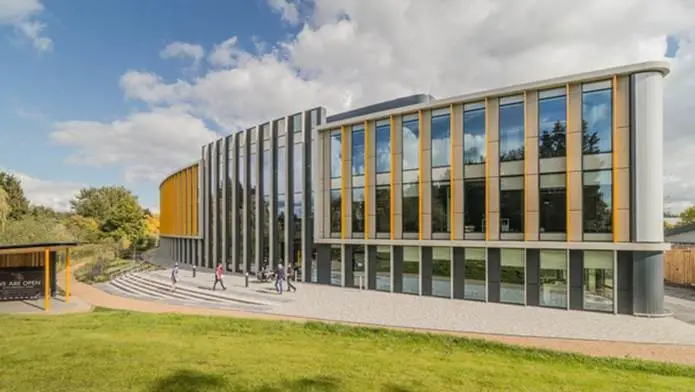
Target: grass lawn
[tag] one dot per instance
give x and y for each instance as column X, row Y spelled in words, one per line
column 122, row 351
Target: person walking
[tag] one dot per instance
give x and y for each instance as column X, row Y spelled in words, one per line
column 174, row 276
column 290, row 276
column 218, row 277
column 279, row 277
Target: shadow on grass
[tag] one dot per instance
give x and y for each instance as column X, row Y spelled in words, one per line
column 394, row 388
column 193, row 381
column 188, row 381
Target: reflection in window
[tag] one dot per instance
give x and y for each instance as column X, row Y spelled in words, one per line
column 383, row 268
column 297, row 122
column 553, row 278
column 357, row 151
column 265, row 208
column 512, row 204
column 474, row 136
column 441, row 272
column 281, row 227
column 596, row 121
column 598, row 280
column 336, row 154
column 474, row 275
column 253, row 166
column 552, row 127
column 553, row 202
column 336, row 214
column 512, row 277
column 297, row 167
column 336, row 266
column 441, row 140
column 411, row 144
column 358, row 277
column 358, row 211
column 512, row 132
column 383, row 209
column 281, row 170
column 383, row 148
column 411, row 208
column 411, row 270
column 474, row 205
column 598, row 209
column 441, row 207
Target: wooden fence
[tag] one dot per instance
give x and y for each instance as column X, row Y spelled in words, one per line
column 679, row 266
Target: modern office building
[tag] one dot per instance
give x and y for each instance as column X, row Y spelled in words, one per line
column 542, row 194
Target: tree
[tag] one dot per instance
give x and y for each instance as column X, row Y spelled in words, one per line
column 85, row 230
column 29, row 229
column 688, row 215
column 4, row 209
column 115, row 209
column 19, row 205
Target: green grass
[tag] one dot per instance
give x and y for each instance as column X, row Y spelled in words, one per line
column 123, row 351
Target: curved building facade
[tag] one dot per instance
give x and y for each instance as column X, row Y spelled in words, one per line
column 542, row 194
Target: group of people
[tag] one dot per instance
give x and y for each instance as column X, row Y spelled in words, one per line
column 282, row 275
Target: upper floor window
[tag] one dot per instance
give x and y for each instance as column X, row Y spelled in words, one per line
column 474, row 134
column 411, row 143
column 383, row 147
column 281, row 172
column 511, row 129
column 552, row 124
column 441, row 138
column 357, row 151
column 336, row 154
column 597, row 117
column 598, row 206
column 297, row 168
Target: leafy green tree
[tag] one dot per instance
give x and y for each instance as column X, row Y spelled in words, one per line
column 30, row 229
column 19, row 205
column 4, row 209
column 115, row 209
column 687, row 216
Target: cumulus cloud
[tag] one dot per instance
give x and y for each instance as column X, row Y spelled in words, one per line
column 53, row 194
column 22, row 16
column 349, row 53
column 287, row 10
column 182, row 50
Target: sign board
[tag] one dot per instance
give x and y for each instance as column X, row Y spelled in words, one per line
column 21, row 283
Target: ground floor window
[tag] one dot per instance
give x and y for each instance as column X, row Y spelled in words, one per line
column 512, row 276
column 598, row 280
column 441, row 272
column 411, row 270
column 553, row 278
column 474, row 274
column 336, row 266
column 383, row 268
column 358, row 259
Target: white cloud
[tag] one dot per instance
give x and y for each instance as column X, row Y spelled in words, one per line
column 182, row 50
column 53, row 194
column 350, row 53
column 287, row 9
column 21, row 15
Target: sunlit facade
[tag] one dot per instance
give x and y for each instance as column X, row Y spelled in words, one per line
column 543, row 194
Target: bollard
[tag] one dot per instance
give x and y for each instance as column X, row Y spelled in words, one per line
column 246, row 280
column 194, row 271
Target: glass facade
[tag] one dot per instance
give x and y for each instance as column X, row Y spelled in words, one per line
column 512, row 204
column 598, row 281
column 475, row 274
column 358, row 212
column 553, row 203
column 474, row 136
column 359, row 280
column 382, row 135
column 383, row 208
column 552, row 124
column 336, row 213
column 598, row 203
column 597, row 118
column 411, row 144
column 512, row 276
column 336, row 265
column 383, row 268
column 441, row 207
column 441, row 272
column 553, row 278
column 411, row 270
column 511, row 122
column 411, row 208
column 357, row 156
column 441, row 140
column 336, row 154
column 474, row 205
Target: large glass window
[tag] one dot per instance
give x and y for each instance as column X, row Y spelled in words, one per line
column 297, row 122
column 336, row 213
column 512, row 204
column 553, row 203
column 297, row 177
column 411, row 270
column 598, row 206
column 512, row 276
column 512, row 132
column 357, row 151
column 597, row 118
column 474, row 136
column 441, row 140
column 552, row 119
column 411, row 208
column 358, row 278
column 253, row 167
column 383, row 208
column 553, row 278
column 281, row 172
column 383, row 148
column 474, row 205
column 411, row 144
column 383, row 268
column 336, row 154
column 265, row 212
column 474, row 274
column 336, row 266
column 441, row 272
column 598, row 280
column 441, row 207
column 358, row 211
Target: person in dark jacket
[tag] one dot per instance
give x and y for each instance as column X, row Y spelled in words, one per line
column 279, row 277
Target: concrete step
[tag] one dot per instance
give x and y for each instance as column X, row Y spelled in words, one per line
column 124, row 284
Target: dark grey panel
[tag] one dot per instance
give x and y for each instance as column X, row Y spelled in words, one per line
column 648, row 283
column 493, row 275
column 625, row 276
column 458, row 273
column 576, row 280
column 397, row 273
column 533, row 265
column 370, row 261
column 426, row 270
column 323, row 264
column 348, row 278
column 381, row 106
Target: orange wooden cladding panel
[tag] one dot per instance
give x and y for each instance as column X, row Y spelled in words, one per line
column 178, row 203
column 33, row 259
column 679, row 266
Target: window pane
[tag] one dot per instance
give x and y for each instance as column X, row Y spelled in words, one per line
column 358, row 211
column 553, row 278
column 281, row 172
column 252, row 171
column 411, row 270
column 512, row 132
column 357, row 152
column 297, row 122
column 281, row 226
column 411, row 208
column 474, row 196
column 336, row 215
column 474, row 136
column 596, row 121
column 383, row 268
column 297, row 167
column 441, row 272
column 512, row 205
column 553, row 203
column 598, row 211
column 441, row 141
column 474, row 274
column 297, row 215
column 598, row 280
column 336, row 266
column 552, row 127
column 358, row 267
column 383, row 148
column 441, row 207
column 512, row 278
column 383, row 209
column 411, row 144
column 336, row 154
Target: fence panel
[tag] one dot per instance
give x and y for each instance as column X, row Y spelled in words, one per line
column 679, row 266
